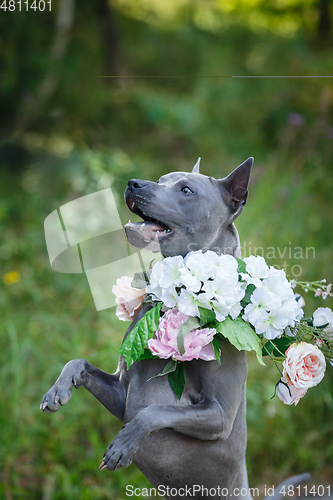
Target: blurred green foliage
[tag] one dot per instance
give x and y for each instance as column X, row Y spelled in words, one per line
column 66, row 132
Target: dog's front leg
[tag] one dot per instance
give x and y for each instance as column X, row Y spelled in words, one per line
column 109, row 389
column 202, row 421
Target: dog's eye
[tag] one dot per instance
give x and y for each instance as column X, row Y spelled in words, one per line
column 187, row 190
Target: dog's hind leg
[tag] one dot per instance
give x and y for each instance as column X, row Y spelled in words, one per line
column 203, row 421
column 109, row 389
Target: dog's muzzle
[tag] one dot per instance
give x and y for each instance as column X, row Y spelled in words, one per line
column 150, row 231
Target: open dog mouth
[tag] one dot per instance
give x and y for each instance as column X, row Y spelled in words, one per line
column 150, row 229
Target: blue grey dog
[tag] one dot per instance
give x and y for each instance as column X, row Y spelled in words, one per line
column 199, row 440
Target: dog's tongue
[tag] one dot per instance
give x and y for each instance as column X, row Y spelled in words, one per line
column 146, row 234
column 145, row 230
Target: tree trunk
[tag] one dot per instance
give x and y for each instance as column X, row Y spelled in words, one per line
column 324, row 21
column 113, row 59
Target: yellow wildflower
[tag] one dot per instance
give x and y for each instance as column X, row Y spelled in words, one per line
column 11, row 277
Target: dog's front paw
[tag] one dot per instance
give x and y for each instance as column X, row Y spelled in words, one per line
column 57, row 396
column 72, row 374
column 122, row 449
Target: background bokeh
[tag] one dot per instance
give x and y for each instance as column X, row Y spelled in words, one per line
column 66, row 132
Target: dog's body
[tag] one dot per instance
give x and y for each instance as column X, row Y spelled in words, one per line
column 200, row 440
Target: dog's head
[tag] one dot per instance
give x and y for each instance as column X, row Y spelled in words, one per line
column 183, row 212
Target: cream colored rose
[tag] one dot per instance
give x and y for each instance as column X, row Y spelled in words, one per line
column 304, row 366
column 128, row 299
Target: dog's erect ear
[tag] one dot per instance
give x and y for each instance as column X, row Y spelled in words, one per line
column 237, row 182
column 195, row 169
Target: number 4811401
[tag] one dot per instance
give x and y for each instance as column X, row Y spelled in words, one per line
column 26, row 5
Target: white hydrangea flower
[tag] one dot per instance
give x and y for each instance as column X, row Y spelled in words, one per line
column 278, row 284
column 189, row 302
column 274, row 324
column 257, row 282
column 273, row 307
column 166, row 295
column 225, row 294
column 266, row 299
column 256, row 266
column 221, row 310
column 167, row 272
column 154, row 280
column 191, row 280
column 261, row 303
column 198, row 268
column 165, row 276
column 208, row 280
column 226, row 265
column 256, row 270
column 293, row 311
column 235, row 310
column 255, row 314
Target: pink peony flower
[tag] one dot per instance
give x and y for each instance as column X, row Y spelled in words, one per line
column 128, row 299
column 288, row 393
column 304, row 366
column 197, row 343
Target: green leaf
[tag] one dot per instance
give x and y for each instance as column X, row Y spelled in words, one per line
column 206, row 316
column 282, row 345
column 177, row 380
column 185, row 328
column 170, row 367
column 216, row 347
column 136, row 341
column 147, row 354
column 322, row 327
column 141, row 280
column 241, row 335
column 241, row 265
column 247, row 297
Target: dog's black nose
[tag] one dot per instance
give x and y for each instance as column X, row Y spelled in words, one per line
column 136, row 184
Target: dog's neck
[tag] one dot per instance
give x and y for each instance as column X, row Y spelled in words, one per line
column 228, row 242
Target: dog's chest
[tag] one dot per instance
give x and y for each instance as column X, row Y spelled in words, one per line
column 146, row 387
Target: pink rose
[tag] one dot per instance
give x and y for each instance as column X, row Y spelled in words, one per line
column 128, row 299
column 289, row 393
column 304, row 366
column 197, row 343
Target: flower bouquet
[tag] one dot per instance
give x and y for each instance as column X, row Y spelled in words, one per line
column 202, row 297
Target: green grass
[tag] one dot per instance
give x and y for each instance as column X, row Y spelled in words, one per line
column 48, row 318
